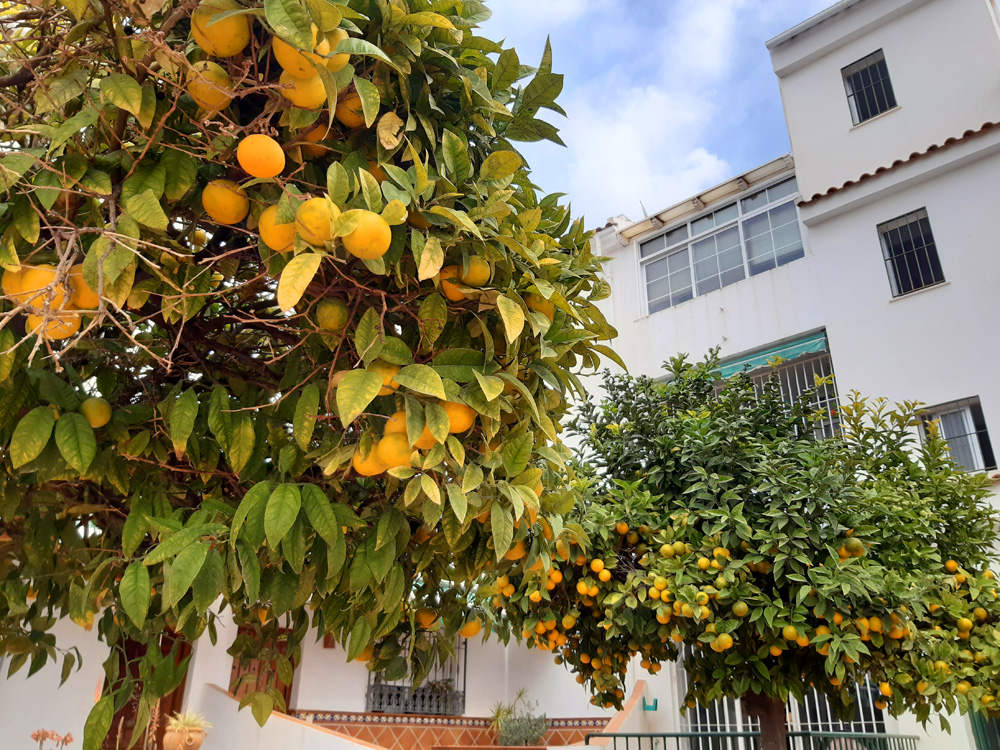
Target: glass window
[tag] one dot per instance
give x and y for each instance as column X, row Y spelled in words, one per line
column 769, row 195
column 668, row 281
column 718, row 261
column 714, row 219
column 911, row 256
column 869, row 90
column 671, row 238
column 963, row 426
column 773, row 238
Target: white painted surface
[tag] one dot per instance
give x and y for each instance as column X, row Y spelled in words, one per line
column 325, row 681
column 943, row 58
column 233, row 729
column 40, row 703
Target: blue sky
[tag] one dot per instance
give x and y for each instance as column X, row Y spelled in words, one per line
column 664, row 97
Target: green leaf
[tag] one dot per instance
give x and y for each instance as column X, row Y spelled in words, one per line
column 502, row 524
column 459, row 502
column 75, row 440
column 209, row 582
column 289, row 21
column 543, row 89
column 368, row 336
column 96, row 181
column 147, row 111
column 32, row 435
column 26, row 220
column 183, row 570
column 355, row 392
column 261, row 706
column 244, row 438
column 135, row 593
column 180, row 540
column 427, row 18
column 251, row 508
column 433, row 314
column 338, row 183
column 500, row 165
column 98, row 723
column 370, row 101
column 123, row 91
column 354, row 46
column 437, row 421
column 306, row 410
column 507, row 70
column 431, row 259
column 181, row 173
column 145, row 208
column 321, row 516
column 422, row 379
column 456, row 157
column 361, row 634
column 371, row 191
column 472, row 478
column 282, row 509
column 492, row 387
column 182, row 419
column 220, row 420
column 517, row 453
column 296, row 278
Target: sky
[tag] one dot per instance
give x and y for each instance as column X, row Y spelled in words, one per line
column 664, row 97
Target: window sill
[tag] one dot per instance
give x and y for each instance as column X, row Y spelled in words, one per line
column 879, row 116
column 922, row 290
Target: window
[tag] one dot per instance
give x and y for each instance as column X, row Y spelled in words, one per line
column 798, row 376
column 911, row 257
column 869, row 90
column 755, row 234
column 962, row 424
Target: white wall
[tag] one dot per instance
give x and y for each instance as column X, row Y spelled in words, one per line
column 943, row 58
column 27, row 704
column 326, row 681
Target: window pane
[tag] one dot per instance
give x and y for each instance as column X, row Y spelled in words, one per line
column 760, row 247
column 702, row 225
column 868, row 87
column 957, row 429
column 782, row 190
column 703, row 249
column 657, row 289
column 783, row 214
column 910, row 253
column 732, row 258
column 755, row 201
column 653, row 246
column 725, row 214
column 657, row 269
column 677, row 261
column 756, row 226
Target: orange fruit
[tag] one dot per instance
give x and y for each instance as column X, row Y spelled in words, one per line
column 97, row 411
column 425, row 617
column 314, row 220
column 448, row 287
column 478, row 273
column 368, row 466
column 951, row 566
column 81, row 296
column 38, row 287
column 224, row 37
column 394, row 450
column 260, row 156
column 460, row 417
column 366, row 654
column 470, row 629
column 225, row 202
column 278, row 237
column 336, row 62
column 318, row 133
column 597, row 565
column 538, row 303
column 57, row 327
column 349, row 110
column 396, row 425
column 387, row 372
column 371, row 238
column 305, row 93
column 298, row 63
column 331, row 314
column 210, row 86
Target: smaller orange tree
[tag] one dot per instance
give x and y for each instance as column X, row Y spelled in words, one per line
column 721, row 531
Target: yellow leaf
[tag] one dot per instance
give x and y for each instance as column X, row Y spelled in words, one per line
column 296, row 278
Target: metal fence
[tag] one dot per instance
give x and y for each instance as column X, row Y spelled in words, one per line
column 751, row 741
column 442, row 693
column 986, row 730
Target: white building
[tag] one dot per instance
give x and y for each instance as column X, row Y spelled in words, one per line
column 870, row 255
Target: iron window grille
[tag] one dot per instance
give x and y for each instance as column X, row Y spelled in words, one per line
column 963, row 426
column 910, row 253
column 755, row 233
column 442, row 693
column 869, row 89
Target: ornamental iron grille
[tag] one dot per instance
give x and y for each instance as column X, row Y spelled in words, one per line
column 441, row 693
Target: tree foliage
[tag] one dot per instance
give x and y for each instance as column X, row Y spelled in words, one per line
column 723, row 532
column 339, row 427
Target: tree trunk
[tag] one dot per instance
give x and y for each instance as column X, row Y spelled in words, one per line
column 771, row 714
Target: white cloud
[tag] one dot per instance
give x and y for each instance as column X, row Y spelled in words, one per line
column 650, row 88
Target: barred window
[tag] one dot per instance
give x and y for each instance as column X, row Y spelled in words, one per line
column 910, row 253
column 962, row 424
column 869, row 90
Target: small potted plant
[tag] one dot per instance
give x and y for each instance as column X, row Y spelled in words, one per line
column 516, row 724
column 185, row 731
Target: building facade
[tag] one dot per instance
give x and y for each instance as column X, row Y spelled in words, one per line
column 869, row 255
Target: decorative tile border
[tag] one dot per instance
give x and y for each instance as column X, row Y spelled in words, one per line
column 441, row 721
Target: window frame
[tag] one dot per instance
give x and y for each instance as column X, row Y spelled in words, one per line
column 852, row 96
column 891, row 269
column 686, row 244
column 983, row 451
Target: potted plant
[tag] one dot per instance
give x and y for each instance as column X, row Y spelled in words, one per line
column 516, row 724
column 185, row 731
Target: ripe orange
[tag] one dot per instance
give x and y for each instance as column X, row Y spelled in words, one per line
column 448, row 287
column 318, row 133
column 394, row 451
column 368, row 466
column 396, row 425
column 371, row 238
column 951, row 566
column 470, row 629
column 210, row 86
column 332, row 315
column 349, row 110
column 57, row 327
column 387, row 372
column 82, row 297
column 278, row 237
column 478, row 273
column 604, row 575
column 314, row 220
column 260, row 156
column 538, row 303
column 224, row 37
column 38, row 287
column 97, row 411
column 425, row 617
column 366, row 654
column 225, row 202
column 621, row 527
column 305, row 93
column 297, row 63
column 460, row 417
column 789, row 633
column 740, row 609
column 517, row 551
column 597, row 565
column 336, row 62
column 11, row 280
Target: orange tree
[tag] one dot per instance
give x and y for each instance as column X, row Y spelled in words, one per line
column 720, row 531
column 286, row 328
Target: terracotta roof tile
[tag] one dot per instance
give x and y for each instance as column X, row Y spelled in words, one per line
column 915, row 156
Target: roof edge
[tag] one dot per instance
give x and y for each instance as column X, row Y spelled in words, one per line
column 809, row 23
